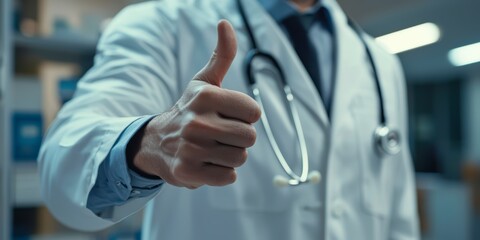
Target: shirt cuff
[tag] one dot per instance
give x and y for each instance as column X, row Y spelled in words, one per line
column 116, row 183
column 137, row 185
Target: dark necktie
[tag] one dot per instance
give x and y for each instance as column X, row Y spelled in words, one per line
column 298, row 27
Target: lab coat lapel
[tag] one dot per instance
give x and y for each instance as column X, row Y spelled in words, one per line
column 348, row 61
column 272, row 40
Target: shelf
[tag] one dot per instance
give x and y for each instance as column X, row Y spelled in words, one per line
column 61, row 236
column 59, row 48
column 26, row 189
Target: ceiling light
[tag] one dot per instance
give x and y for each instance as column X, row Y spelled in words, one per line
column 410, row 38
column 465, row 55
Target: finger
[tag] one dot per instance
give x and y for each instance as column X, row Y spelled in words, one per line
column 217, row 129
column 198, row 154
column 192, row 172
column 239, row 106
column 234, row 133
column 227, row 103
column 218, row 154
column 222, row 57
column 227, row 156
column 214, row 175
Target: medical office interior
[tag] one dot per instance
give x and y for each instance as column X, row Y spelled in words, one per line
column 46, row 46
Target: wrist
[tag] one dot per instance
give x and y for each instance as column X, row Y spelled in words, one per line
column 133, row 155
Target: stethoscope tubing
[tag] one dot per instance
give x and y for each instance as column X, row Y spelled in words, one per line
column 386, row 139
column 298, row 128
column 294, row 115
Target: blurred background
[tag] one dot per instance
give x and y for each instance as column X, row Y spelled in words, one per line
column 46, row 46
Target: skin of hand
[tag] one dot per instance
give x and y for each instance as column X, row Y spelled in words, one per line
column 205, row 135
column 303, row 5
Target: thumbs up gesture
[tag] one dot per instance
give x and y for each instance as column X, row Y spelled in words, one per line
column 204, row 137
column 222, row 57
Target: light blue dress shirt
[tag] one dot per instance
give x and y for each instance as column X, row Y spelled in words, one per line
column 321, row 38
column 116, row 183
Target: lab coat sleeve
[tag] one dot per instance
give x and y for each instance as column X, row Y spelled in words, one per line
column 134, row 75
column 404, row 216
column 116, row 183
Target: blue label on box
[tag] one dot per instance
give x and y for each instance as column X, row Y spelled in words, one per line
column 27, row 136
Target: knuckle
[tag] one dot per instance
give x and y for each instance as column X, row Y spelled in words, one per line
column 177, row 171
column 241, row 158
column 192, row 187
column 187, row 131
column 207, row 94
column 187, row 154
column 231, row 177
column 244, row 156
column 227, row 178
column 191, row 128
column 183, row 172
column 255, row 113
column 250, row 136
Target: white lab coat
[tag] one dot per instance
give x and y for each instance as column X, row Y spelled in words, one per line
column 145, row 60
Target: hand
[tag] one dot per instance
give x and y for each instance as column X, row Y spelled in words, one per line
column 204, row 137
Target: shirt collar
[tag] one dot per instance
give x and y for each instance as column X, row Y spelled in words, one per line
column 281, row 9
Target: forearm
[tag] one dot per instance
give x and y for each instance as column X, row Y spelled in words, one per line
column 117, row 183
column 68, row 164
column 132, row 77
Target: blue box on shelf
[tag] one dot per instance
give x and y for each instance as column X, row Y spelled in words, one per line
column 66, row 89
column 27, row 134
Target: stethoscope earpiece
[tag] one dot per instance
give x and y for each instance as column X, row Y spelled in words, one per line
column 314, row 177
column 280, row 181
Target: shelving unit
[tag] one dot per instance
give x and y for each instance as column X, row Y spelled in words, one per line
column 19, row 181
column 5, row 76
column 63, row 49
column 26, row 187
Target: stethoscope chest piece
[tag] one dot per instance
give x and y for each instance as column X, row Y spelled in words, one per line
column 387, row 140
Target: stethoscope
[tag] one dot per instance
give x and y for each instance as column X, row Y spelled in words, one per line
column 387, row 140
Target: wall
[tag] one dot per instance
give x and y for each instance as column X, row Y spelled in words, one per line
column 85, row 15
column 471, row 117
column 26, row 86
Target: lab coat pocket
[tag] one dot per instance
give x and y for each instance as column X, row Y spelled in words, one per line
column 376, row 170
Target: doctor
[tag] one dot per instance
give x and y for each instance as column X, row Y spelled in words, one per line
column 140, row 132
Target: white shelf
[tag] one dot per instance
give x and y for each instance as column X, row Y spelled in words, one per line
column 26, row 188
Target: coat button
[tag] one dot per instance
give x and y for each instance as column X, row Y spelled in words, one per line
column 338, row 209
column 135, row 192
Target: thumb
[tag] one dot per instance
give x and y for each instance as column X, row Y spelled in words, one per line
column 218, row 65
